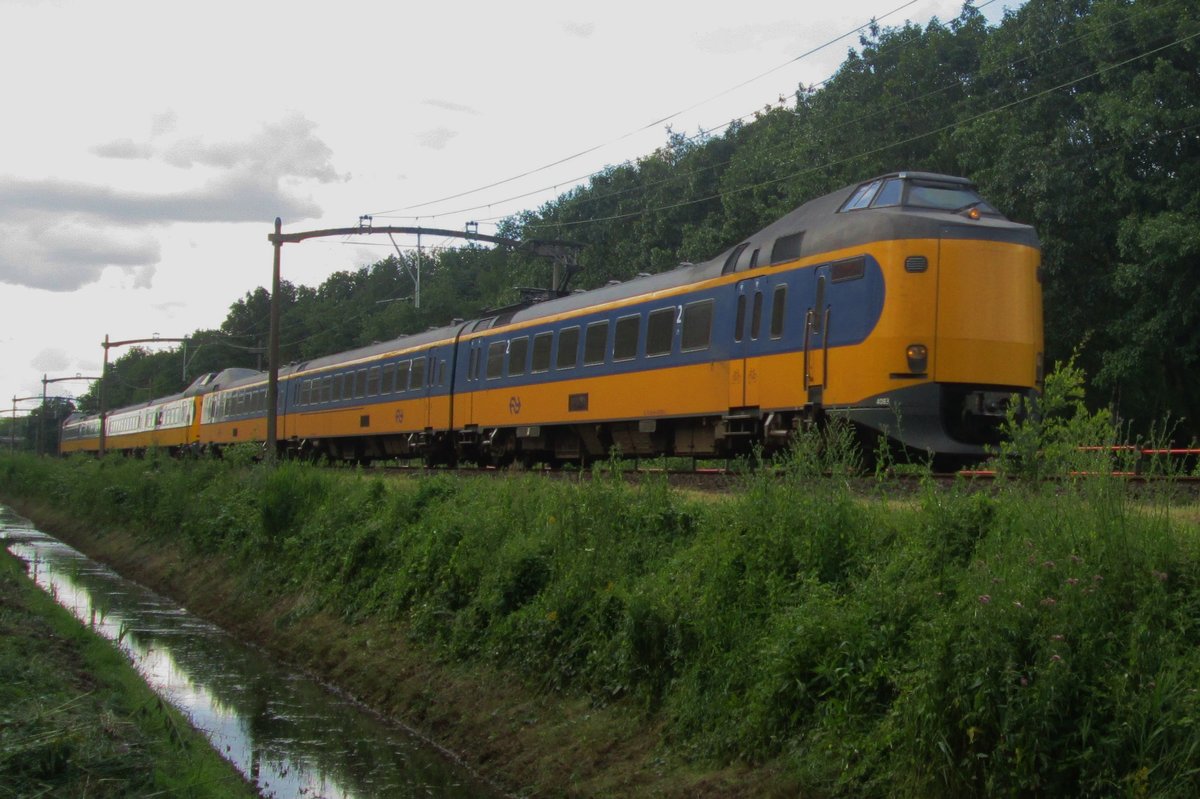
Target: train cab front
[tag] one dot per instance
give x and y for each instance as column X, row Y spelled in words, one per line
column 975, row 316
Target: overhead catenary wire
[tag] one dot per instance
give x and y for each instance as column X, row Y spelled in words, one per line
column 598, row 196
column 874, row 150
column 659, row 121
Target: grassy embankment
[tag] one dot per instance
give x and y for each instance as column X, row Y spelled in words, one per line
column 604, row 638
column 77, row 720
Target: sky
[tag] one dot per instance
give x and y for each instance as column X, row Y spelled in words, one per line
column 147, row 147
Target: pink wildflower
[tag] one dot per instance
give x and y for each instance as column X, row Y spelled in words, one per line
column 1072, row 581
column 1049, row 564
column 1055, row 659
column 984, row 599
column 1049, row 601
column 1018, row 604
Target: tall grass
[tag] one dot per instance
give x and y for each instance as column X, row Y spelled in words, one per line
column 1037, row 638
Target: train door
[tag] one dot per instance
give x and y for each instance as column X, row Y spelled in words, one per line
column 475, row 363
column 747, row 329
column 816, row 338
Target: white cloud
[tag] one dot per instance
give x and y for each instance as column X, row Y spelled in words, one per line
column 123, row 148
column 583, row 30
column 436, row 138
column 52, row 359
column 65, row 256
column 446, row 105
column 60, row 235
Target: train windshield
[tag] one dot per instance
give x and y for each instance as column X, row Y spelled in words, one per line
column 917, row 194
column 945, row 197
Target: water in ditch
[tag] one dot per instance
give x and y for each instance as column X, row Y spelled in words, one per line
column 285, row 732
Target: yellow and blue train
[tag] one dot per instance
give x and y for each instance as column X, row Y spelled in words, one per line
column 905, row 304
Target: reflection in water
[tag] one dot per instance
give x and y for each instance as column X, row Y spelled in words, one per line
column 287, row 734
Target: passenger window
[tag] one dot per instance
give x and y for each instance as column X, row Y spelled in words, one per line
column 541, row 351
column 441, row 372
column 660, row 331
column 518, row 349
column 305, row 392
column 402, row 370
column 756, row 316
column 625, row 338
column 778, row 307
column 326, row 389
column 388, row 384
column 495, row 360
column 697, row 326
column 594, row 344
column 418, row 373
column 849, row 269
column 787, row 248
column 348, row 386
column 473, row 368
column 568, row 348
column 373, row 381
column 360, row 384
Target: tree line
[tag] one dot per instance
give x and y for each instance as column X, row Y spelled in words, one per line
column 1078, row 117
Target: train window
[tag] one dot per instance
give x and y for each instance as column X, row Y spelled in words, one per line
column 473, row 366
column 849, row 269
column 595, row 343
column 387, row 379
column 348, row 385
column 625, row 338
column 495, row 360
column 568, row 348
column 889, row 194
column 731, row 261
column 326, row 389
column 862, row 196
column 756, row 316
column 417, row 379
column 778, row 307
column 747, row 260
column 303, row 393
column 441, row 372
column 360, row 384
column 402, row 370
column 697, row 326
column 739, row 323
column 787, row 248
column 518, row 349
column 373, row 382
column 541, row 352
column 484, row 324
column 660, row 331
column 337, row 388
column 945, row 197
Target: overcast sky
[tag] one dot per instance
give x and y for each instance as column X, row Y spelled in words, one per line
column 148, row 146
